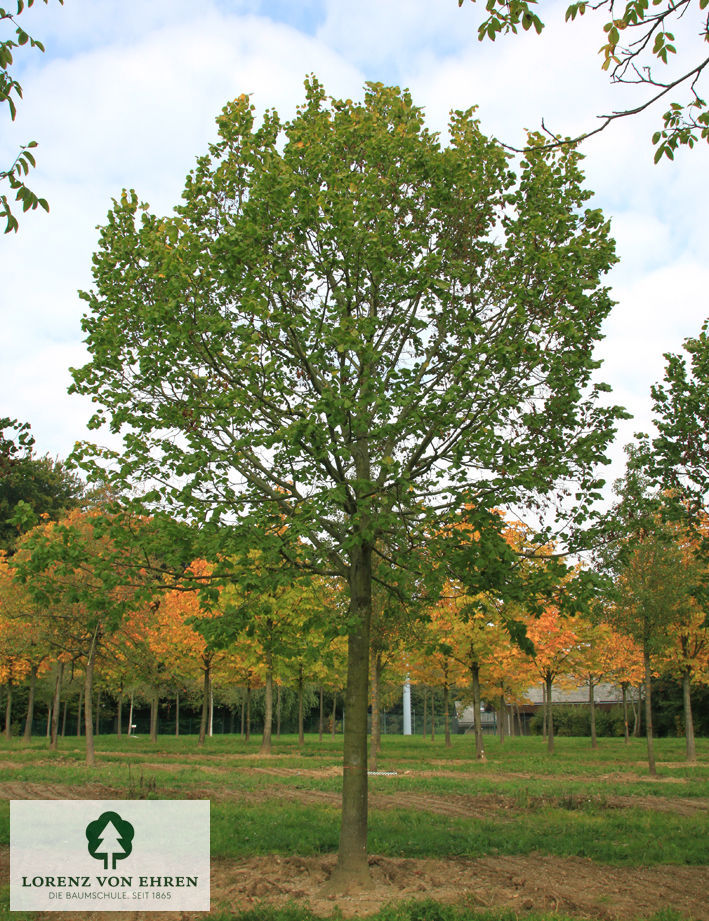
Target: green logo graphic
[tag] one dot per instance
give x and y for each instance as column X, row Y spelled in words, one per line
column 110, row 839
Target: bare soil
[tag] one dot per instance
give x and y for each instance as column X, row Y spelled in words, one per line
column 573, row 886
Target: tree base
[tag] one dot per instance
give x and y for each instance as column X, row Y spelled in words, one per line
column 348, row 880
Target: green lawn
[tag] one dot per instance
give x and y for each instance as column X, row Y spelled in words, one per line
column 600, row 804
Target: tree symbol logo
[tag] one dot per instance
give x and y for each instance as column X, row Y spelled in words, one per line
column 110, row 839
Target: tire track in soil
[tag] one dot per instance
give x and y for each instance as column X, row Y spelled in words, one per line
column 482, row 805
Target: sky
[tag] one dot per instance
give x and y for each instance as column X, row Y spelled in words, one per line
column 127, row 92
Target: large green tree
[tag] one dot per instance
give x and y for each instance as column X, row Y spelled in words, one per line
column 679, row 458
column 344, row 328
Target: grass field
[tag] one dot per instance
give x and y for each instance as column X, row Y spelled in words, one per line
column 581, row 834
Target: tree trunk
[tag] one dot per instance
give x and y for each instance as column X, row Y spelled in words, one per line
column 278, row 710
column 501, row 718
column 66, row 706
column 544, row 706
column 322, row 717
column 301, row 732
column 352, row 868
column 268, row 715
column 56, row 706
column 30, row 704
column 638, row 726
column 119, row 716
column 688, row 721
column 592, row 707
column 88, row 700
column 205, row 702
column 550, row 716
column 49, row 721
column 477, row 722
column 8, row 710
column 130, row 713
column 78, row 712
column 626, row 724
column 376, row 743
column 98, row 712
column 446, row 708
column 425, row 712
column 433, row 718
column 243, row 714
column 177, row 713
column 154, row 704
column 247, row 732
column 334, row 713
column 211, row 709
column 648, row 715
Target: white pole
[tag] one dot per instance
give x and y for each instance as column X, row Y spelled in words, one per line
column 407, row 707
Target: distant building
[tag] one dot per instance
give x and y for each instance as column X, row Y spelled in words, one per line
column 605, row 695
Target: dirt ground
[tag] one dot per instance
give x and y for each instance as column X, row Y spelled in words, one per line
column 537, row 883
column 572, row 886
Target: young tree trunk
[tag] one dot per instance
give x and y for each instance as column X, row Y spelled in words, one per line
column 550, row 716
column 334, row 713
column 376, row 743
column 446, row 708
column 425, row 712
column 88, row 700
column 8, row 710
column 544, row 706
column 30, row 704
column 119, row 716
column 648, row 714
column 592, row 707
column 301, row 732
column 130, row 713
column 56, row 706
column 154, row 704
column 638, row 725
column 626, row 724
column 433, row 717
column 211, row 709
column 247, row 732
column 688, row 721
column 501, row 718
column 352, row 868
column 177, row 713
column 78, row 711
column 98, row 712
column 322, row 717
column 205, row 702
column 477, row 721
column 278, row 710
column 268, row 714
column 66, row 707
column 49, row 721
column 243, row 714
column 232, row 720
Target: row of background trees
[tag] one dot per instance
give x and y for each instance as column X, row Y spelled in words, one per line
column 73, row 603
